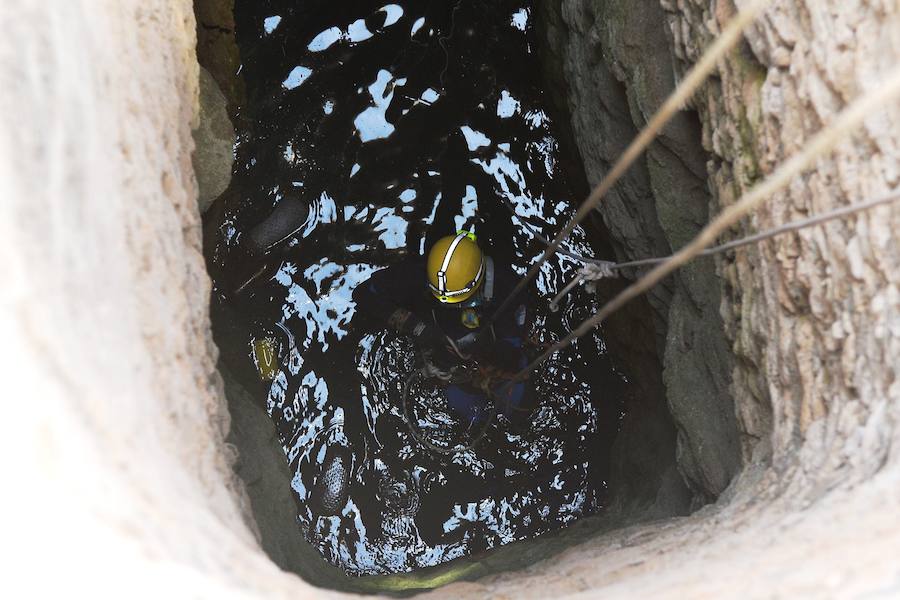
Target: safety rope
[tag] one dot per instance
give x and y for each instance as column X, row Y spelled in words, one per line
column 595, row 269
column 695, row 77
column 442, row 40
column 846, row 122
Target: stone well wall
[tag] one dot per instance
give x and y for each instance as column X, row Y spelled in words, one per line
column 118, row 482
column 614, row 67
column 791, row 310
column 118, row 479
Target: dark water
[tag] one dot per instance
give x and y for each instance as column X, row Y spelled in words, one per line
column 396, row 123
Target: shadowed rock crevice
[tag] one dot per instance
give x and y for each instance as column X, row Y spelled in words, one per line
column 612, row 65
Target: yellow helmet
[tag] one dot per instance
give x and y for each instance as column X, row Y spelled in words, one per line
column 455, row 268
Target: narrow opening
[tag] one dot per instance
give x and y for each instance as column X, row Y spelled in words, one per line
column 362, row 136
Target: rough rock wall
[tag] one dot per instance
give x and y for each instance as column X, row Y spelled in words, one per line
column 214, row 140
column 217, row 49
column 117, row 478
column 813, row 317
column 616, row 60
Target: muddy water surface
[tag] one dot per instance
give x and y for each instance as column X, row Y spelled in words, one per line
column 395, row 124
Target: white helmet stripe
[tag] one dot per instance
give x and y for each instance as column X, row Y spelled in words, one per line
column 478, row 274
column 442, row 274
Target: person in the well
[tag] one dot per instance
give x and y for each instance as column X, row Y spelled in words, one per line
column 444, row 303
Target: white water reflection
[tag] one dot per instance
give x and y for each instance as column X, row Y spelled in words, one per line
column 393, row 12
column 507, row 106
column 324, row 40
column 271, row 23
column 417, row 25
column 296, row 77
column 474, row 139
column 372, row 124
column 519, row 19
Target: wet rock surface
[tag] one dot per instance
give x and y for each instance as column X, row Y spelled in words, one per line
column 217, row 49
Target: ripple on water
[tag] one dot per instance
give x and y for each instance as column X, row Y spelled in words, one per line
column 397, row 124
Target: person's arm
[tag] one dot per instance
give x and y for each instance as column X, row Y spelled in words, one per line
column 384, row 292
column 389, row 296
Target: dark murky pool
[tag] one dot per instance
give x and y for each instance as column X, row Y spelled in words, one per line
column 395, row 124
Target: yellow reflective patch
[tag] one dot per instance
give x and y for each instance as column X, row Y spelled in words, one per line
column 470, row 318
column 264, row 357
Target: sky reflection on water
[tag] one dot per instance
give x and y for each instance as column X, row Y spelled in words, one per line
column 397, row 124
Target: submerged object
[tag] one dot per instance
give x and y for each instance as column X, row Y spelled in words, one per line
column 400, row 504
column 399, row 494
column 329, row 495
column 288, row 217
column 265, row 354
column 434, row 422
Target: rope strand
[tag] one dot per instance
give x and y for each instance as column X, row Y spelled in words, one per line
column 849, row 119
column 797, row 225
column 675, row 102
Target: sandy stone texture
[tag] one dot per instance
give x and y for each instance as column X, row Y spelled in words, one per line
column 118, row 481
column 814, row 316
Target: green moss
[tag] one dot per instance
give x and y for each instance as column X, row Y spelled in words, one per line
column 422, row 580
column 752, row 73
